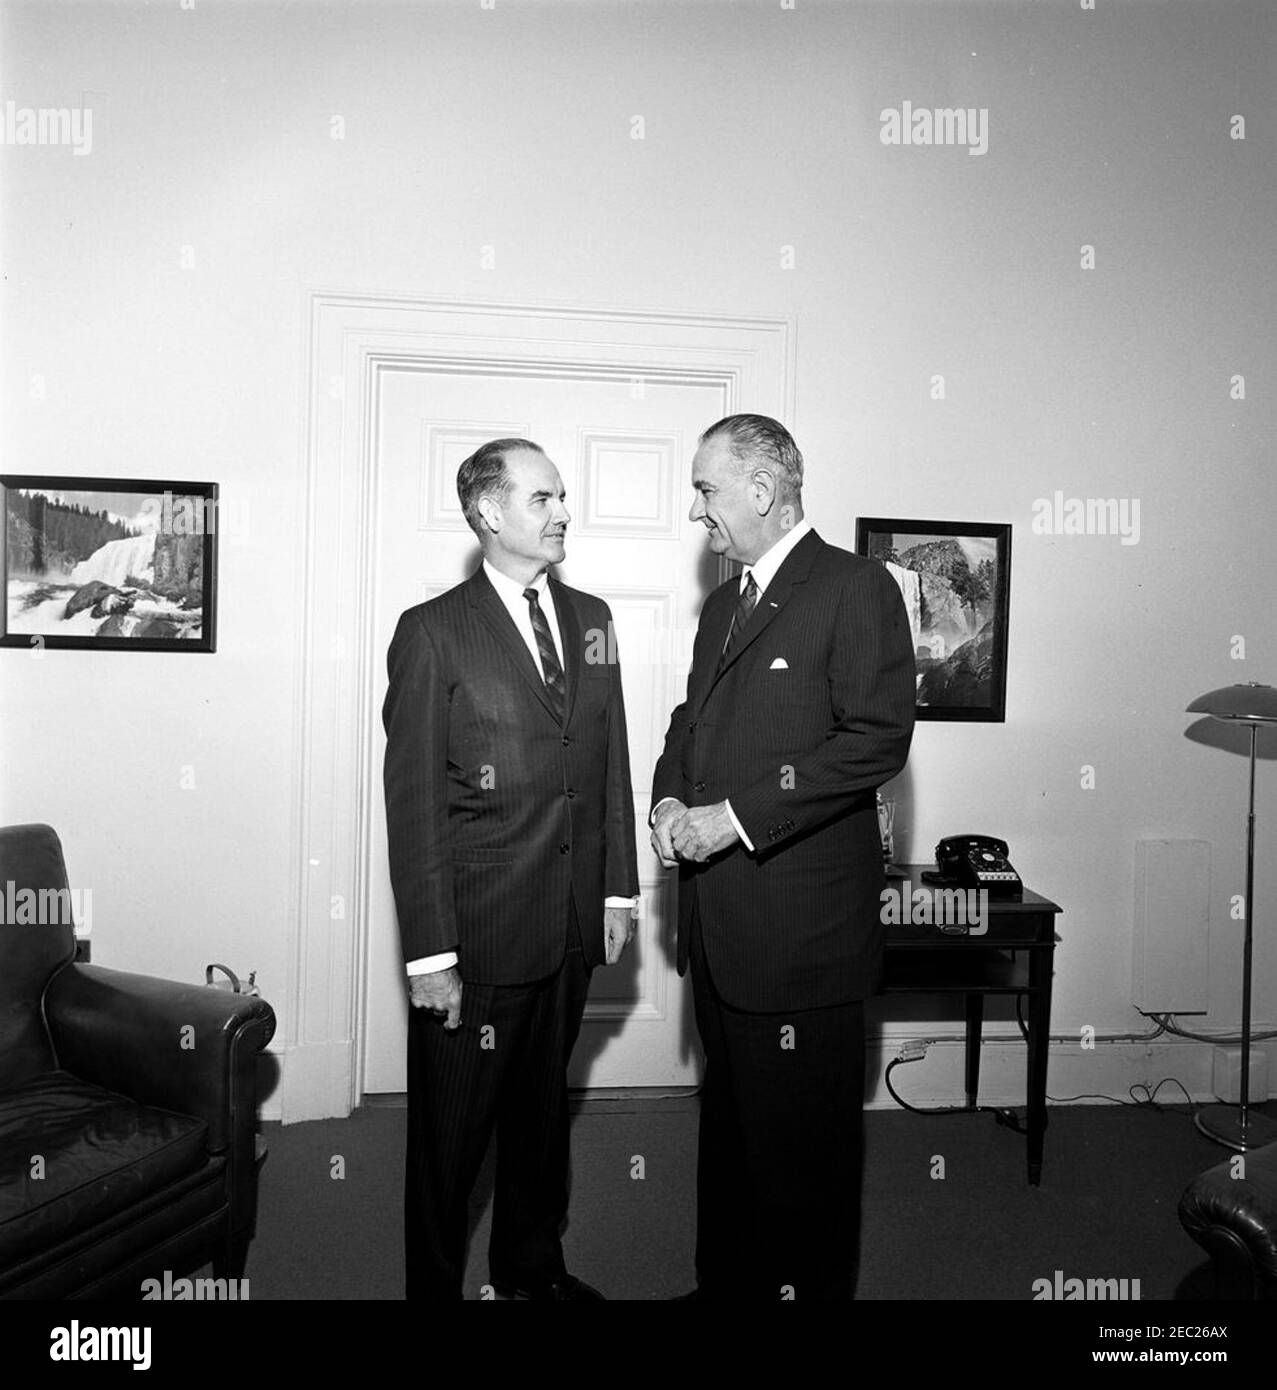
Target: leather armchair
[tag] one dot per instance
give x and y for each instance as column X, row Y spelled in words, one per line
column 128, row 1106
column 1234, row 1219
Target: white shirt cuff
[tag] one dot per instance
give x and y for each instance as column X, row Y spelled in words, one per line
column 431, row 965
column 739, row 828
column 445, row 960
column 634, row 905
column 656, row 810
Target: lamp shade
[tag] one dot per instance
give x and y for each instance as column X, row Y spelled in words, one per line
column 1251, row 703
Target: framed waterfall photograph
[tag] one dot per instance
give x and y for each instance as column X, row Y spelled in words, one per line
column 955, row 579
column 111, row 564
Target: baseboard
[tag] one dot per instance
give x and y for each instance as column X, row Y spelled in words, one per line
column 314, row 1082
column 1075, row 1074
column 616, row 1100
column 270, row 1080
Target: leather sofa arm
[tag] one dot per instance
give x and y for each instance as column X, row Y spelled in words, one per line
column 1234, row 1219
column 180, row 1047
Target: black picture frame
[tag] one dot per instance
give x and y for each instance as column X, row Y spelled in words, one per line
column 82, row 543
column 960, row 608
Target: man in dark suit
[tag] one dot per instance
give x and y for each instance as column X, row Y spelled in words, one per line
column 800, row 704
column 512, row 857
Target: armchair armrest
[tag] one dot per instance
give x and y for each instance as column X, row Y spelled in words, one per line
column 180, row 1047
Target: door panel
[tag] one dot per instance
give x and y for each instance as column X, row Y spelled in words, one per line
column 623, row 448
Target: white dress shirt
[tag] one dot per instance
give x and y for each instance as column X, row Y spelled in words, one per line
column 510, row 592
column 764, row 571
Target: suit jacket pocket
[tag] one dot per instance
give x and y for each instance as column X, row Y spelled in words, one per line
column 465, row 854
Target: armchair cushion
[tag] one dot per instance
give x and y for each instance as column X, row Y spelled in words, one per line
column 101, row 1153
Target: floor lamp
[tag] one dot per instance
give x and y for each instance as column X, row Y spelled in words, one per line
column 1252, row 705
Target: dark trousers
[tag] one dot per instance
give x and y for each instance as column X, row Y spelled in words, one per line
column 779, row 1162
column 503, row 1068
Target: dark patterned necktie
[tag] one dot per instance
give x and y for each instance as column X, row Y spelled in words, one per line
column 744, row 607
column 550, row 667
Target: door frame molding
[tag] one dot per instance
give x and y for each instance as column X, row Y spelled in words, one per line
column 353, row 339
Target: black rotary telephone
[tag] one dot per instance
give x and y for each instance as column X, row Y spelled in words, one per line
column 975, row 861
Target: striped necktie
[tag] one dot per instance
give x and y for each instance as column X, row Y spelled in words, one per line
column 550, row 667
column 744, row 607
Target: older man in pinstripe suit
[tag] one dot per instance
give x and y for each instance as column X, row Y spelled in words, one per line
column 800, row 704
column 512, row 857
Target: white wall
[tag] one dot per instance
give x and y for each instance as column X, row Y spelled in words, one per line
column 511, row 128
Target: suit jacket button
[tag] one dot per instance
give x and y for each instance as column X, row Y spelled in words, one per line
column 570, row 793
column 698, row 786
column 565, row 741
column 691, row 728
column 565, row 849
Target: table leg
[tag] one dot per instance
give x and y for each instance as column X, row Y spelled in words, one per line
column 975, row 1024
column 1039, row 1000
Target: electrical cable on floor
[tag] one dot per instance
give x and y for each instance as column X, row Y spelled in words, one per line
column 904, row 1104
column 1003, row 1114
column 1152, row 1095
column 1006, row 1115
column 1149, row 1102
column 1092, row 1095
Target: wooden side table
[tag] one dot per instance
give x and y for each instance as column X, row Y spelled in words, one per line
column 1014, row 955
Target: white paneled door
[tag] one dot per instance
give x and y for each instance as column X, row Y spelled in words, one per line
column 623, row 447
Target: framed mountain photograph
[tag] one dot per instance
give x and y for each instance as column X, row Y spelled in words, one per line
column 955, row 578
column 111, row 564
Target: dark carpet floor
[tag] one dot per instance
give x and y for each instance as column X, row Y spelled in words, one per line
column 329, row 1222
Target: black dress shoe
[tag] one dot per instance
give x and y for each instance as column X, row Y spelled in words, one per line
column 696, row 1293
column 569, row 1287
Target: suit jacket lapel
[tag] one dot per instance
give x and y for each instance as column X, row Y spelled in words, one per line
column 793, row 571
column 570, row 637
column 484, row 597
column 717, row 625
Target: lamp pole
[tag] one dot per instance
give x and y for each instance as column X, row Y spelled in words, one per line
column 1246, row 949
column 1251, row 704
